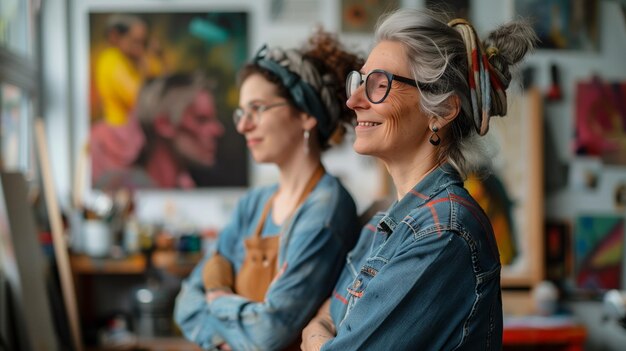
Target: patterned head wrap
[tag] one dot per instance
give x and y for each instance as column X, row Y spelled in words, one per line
column 311, row 91
column 487, row 85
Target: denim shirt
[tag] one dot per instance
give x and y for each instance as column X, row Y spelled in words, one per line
column 423, row 276
column 313, row 247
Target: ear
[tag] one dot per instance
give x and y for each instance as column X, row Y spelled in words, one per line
column 308, row 122
column 453, row 102
column 163, row 126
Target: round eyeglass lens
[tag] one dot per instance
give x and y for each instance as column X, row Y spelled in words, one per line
column 377, row 86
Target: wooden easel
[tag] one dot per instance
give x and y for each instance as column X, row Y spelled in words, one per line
column 56, row 225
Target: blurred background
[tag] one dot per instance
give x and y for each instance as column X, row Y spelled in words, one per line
column 93, row 247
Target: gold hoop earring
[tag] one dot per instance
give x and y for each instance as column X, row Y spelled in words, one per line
column 435, row 140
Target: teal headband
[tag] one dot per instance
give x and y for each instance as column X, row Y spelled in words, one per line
column 303, row 93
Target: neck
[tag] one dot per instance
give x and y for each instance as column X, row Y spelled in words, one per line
column 407, row 170
column 293, row 179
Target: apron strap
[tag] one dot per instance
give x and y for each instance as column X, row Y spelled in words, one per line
column 308, row 188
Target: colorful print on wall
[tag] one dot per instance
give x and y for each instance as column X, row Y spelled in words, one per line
column 598, row 251
column 601, row 120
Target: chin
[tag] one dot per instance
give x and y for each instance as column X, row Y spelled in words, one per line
column 363, row 148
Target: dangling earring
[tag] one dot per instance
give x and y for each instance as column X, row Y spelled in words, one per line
column 307, row 134
column 434, row 138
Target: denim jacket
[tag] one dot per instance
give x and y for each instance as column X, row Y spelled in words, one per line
column 423, row 276
column 312, row 250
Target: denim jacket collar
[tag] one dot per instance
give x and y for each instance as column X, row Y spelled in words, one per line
column 422, row 192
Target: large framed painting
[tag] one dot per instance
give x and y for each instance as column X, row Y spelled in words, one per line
column 512, row 191
column 159, row 85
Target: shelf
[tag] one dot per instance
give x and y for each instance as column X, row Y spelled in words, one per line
column 170, row 261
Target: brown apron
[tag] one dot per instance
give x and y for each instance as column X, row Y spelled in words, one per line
column 261, row 262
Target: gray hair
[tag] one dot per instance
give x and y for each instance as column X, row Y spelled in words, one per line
column 437, row 56
column 170, row 96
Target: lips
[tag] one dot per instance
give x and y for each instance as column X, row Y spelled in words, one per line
column 253, row 141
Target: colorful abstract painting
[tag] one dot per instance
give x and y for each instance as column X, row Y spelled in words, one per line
column 599, row 250
column 601, row 120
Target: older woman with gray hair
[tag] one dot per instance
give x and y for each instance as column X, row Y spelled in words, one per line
column 425, row 274
column 279, row 257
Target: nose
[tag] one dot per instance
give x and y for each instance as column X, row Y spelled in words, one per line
column 245, row 124
column 357, row 100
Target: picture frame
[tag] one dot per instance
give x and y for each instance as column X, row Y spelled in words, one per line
column 517, row 171
column 232, row 156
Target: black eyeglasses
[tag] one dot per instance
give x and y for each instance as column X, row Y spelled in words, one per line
column 253, row 112
column 377, row 84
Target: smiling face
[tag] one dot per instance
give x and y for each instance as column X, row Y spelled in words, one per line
column 395, row 127
column 278, row 135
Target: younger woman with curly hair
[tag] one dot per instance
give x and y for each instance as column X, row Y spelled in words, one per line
column 280, row 255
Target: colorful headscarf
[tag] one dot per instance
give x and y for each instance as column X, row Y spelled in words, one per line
column 487, row 85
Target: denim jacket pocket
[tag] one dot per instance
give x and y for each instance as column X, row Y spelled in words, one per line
column 360, row 283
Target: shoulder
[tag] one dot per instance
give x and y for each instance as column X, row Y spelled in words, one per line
column 453, row 209
column 331, row 198
column 110, row 54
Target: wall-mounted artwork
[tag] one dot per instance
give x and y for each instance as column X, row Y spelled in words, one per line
column 562, row 24
column 599, row 251
column 162, row 88
column 361, row 16
column 601, row 120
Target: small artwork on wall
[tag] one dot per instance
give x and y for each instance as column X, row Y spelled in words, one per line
column 361, row 16
column 601, row 120
column 562, row 24
column 598, row 251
